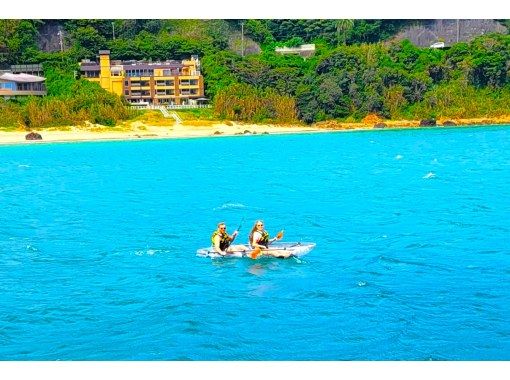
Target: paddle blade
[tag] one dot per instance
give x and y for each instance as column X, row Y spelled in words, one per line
column 279, row 235
column 255, row 253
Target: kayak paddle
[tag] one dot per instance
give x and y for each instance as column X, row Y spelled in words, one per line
column 238, row 229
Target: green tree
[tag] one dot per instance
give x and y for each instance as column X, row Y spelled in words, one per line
column 252, row 70
column 394, row 100
column 342, row 27
column 259, row 31
column 89, row 41
column 19, row 40
column 490, row 60
column 217, row 69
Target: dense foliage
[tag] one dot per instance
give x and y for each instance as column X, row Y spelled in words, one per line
column 248, row 103
column 356, row 70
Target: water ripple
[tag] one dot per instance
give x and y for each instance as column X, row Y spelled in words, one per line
column 97, row 255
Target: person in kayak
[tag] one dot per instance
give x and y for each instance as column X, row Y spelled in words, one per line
column 259, row 241
column 221, row 240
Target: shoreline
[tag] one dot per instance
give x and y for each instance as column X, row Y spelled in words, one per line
column 140, row 131
column 145, row 132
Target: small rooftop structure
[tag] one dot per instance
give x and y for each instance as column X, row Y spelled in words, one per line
column 306, row 50
column 437, row 45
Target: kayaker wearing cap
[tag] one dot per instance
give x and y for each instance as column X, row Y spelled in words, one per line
column 221, row 240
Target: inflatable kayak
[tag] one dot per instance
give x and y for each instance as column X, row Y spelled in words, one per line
column 278, row 249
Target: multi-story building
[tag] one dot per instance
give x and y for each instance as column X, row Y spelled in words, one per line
column 22, row 80
column 141, row 82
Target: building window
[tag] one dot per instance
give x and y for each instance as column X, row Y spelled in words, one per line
column 91, row 74
column 192, row 91
column 165, row 83
column 8, row 85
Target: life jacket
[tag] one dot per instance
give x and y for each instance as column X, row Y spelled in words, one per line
column 224, row 239
column 264, row 240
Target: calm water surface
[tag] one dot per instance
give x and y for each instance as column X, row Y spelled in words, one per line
column 98, row 242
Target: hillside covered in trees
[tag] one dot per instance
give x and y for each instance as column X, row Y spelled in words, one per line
column 358, row 69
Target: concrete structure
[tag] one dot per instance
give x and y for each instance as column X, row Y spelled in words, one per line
column 141, row 82
column 428, row 32
column 303, row 50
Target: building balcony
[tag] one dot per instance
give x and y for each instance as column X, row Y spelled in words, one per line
column 139, row 95
column 164, row 87
column 188, row 83
column 139, row 78
column 189, row 86
column 6, row 92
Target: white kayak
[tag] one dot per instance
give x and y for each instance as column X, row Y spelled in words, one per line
column 296, row 249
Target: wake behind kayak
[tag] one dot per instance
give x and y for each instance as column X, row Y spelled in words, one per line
column 288, row 249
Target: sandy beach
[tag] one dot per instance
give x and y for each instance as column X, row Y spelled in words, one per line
column 139, row 130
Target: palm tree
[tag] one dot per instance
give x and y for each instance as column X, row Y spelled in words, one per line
column 343, row 26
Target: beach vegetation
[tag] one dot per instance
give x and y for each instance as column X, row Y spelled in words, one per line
column 244, row 102
column 197, row 114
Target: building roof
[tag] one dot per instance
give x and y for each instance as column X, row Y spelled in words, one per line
column 21, row 78
column 88, row 66
column 155, row 65
column 27, row 68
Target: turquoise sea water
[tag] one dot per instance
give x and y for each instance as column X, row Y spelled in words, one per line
column 98, row 242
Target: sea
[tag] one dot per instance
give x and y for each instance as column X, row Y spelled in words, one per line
column 98, row 246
